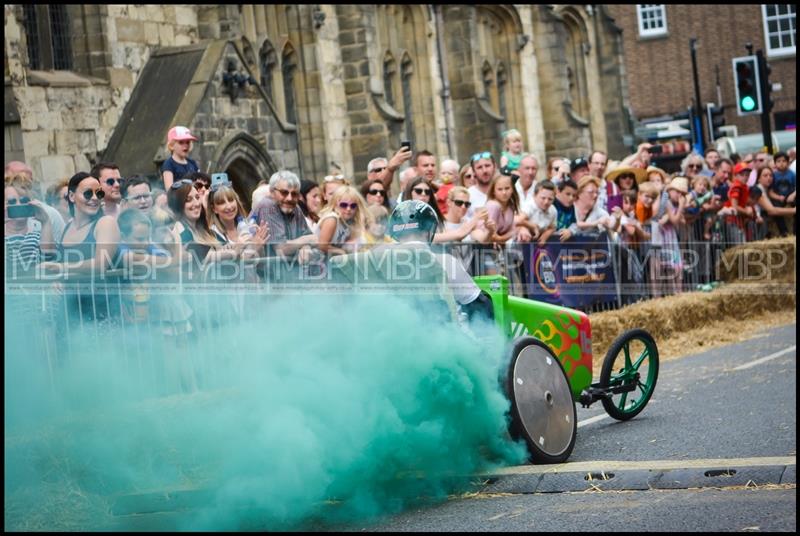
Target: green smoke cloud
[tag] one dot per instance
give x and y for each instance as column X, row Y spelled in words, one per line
column 310, row 409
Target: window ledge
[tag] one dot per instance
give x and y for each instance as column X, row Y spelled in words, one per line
column 62, row 79
column 653, row 37
column 779, row 55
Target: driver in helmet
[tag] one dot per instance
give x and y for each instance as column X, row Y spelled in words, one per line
column 414, row 223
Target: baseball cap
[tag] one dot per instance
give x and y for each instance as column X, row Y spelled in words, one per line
column 741, row 166
column 180, row 134
column 578, row 163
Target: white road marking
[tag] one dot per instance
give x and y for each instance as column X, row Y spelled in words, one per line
column 590, row 420
column 765, row 359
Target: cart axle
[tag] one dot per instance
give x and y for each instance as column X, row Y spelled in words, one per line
column 594, row 392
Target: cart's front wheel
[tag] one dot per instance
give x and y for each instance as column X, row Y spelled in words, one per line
column 630, row 366
column 542, row 409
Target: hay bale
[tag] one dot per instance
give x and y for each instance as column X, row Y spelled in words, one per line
column 764, row 261
column 673, row 316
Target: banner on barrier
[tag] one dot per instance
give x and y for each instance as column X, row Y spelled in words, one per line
column 575, row 273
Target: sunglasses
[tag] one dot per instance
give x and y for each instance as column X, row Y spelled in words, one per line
column 289, row 193
column 180, row 183
column 377, row 192
column 480, row 156
column 626, row 176
column 198, row 185
column 460, row 203
column 110, row 181
column 377, row 169
column 87, row 194
column 421, row 191
column 345, row 206
column 469, row 176
column 22, row 200
column 695, row 166
column 329, row 178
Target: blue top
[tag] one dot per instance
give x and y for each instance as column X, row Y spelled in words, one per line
column 179, row 170
column 783, row 183
column 566, row 215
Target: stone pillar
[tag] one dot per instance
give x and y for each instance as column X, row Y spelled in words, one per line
column 335, row 122
column 531, row 95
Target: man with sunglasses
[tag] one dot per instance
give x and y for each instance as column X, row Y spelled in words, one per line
column 289, row 232
column 111, row 182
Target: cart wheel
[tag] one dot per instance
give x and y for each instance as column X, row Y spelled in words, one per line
column 542, row 409
column 632, row 353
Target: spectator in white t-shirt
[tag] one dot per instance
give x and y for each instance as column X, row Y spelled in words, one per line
column 540, row 214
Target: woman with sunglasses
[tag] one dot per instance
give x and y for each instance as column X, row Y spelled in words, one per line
column 457, row 228
column 90, row 239
column 692, row 165
column 343, row 222
column 420, row 189
column 226, row 215
column 374, row 193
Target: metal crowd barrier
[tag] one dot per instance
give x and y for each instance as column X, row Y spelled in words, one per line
column 152, row 320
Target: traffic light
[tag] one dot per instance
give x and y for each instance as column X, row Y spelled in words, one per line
column 748, row 85
column 764, row 73
column 716, row 119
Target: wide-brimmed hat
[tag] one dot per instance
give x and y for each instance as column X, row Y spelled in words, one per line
column 639, row 174
column 679, row 183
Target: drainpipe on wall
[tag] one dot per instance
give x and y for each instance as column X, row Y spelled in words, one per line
column 442, row 58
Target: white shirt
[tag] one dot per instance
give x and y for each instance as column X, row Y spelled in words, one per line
column 522, row 196
column 478, row 200
column 543, row 220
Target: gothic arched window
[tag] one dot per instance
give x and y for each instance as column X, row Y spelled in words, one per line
column 288, row 69
column 266, row 64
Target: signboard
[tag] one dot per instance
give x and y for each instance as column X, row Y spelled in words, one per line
column 576, row 273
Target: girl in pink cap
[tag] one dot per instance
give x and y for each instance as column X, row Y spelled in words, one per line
column 179, row 144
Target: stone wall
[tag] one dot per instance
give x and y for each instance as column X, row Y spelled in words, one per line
column 67, row 117
column 563, row 136
column 217, row 118
column 368, row 129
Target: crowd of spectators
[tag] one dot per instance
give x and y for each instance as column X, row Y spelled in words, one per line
column 98, row 219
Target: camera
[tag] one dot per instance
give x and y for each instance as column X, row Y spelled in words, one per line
column 406, row 144
column 21, row 211
column 219, row 178
column 655, row 149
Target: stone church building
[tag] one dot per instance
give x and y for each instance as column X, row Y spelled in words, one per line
column 303, row 87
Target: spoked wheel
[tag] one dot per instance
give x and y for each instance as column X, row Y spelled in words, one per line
column 632, row 362
column 542, row 409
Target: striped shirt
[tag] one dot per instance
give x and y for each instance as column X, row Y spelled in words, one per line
column 23, row 252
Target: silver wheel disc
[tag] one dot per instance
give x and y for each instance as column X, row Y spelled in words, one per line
column 544, row 400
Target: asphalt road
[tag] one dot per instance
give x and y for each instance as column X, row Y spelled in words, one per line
column 725, row 410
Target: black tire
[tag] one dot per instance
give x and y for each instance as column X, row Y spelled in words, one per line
column 542, row 408
column 618, row 406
